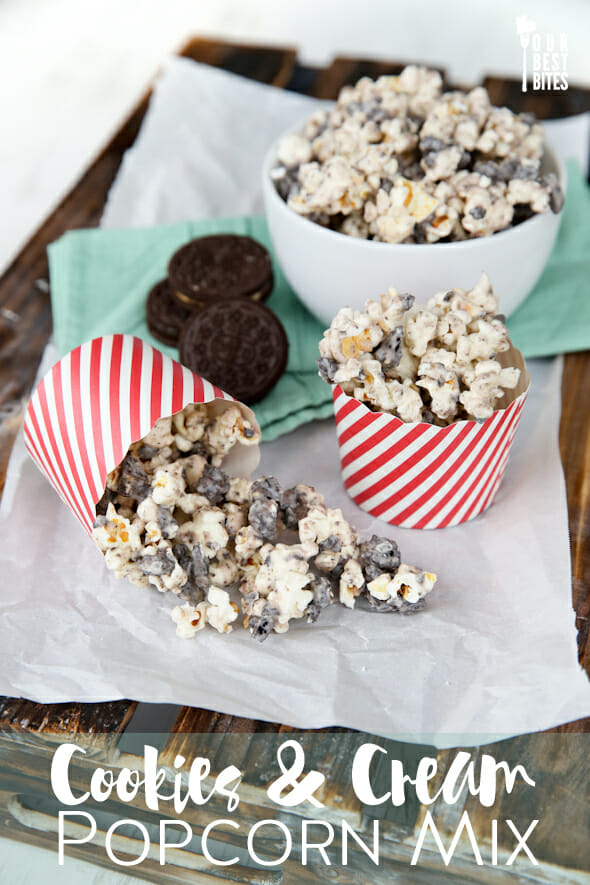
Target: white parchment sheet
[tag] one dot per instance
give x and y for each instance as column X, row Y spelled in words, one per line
column 494, row 652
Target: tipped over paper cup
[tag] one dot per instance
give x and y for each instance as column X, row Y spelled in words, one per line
column 417, row 475
column 98, row 400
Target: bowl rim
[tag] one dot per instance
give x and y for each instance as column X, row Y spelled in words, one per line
column 270, row 192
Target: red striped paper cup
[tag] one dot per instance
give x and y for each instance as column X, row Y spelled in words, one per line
column 98, row 400
column 424, row 477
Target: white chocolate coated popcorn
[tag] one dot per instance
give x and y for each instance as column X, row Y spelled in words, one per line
column 218, row 611
column 409, row 583
column 189, row 619
column 207, row 528
column 396, row 160
column 173, row 521
column 225, row 431
column 435, row 363
column 321, row 524
column 351, row 583
column 221, row 611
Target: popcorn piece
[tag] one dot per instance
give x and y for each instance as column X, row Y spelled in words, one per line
column 297, row 502
column 406, row 401
column 355, row 226
column 507, row 134
column 207, row 528
column 351, row 583
column 261, row 616
column 221, row 611
column 223, row 569
column 489, row 338
column 323, row 596
column 160, row 436
column 168, row 484
column 335, row 187
column 225, row 431
column 115, row 532
column 408, row 586
column 282, row 579
column 420, row 329
column 160, row 565
column 437, row 375
column 236, row 517
column 487, row 382
column 189, row 619
column 239, row 490
column 321, row 524
column 378, row 555
column 293, row 150
column 195, row 566
column 189, row 426
column 391, row 218
column 247, row 544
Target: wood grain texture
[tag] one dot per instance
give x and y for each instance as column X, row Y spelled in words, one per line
column 89, row 724
column 546, row 105
column 345, row 71
column 574, row 442
column 25, row 325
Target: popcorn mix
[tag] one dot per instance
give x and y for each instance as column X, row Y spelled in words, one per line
column 436, row 363
column 400, row 161
column 172, row 519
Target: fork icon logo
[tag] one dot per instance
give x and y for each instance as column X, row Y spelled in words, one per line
column 524, row 28
column 547, row 58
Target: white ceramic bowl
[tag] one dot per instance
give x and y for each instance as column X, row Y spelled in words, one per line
column 329, row 270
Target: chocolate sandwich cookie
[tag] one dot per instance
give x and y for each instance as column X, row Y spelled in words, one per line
column 165, row 314
column 220, row 266
column 238, row 345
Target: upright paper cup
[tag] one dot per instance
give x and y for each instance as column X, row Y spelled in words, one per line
column 424, row 477
column 98, row 400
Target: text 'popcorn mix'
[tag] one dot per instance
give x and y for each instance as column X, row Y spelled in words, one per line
column 435, row 364
column 171, row 518
column 399, row 161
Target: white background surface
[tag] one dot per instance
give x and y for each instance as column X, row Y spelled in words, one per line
column 70, row 72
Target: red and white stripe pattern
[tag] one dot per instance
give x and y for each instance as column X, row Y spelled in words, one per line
column 95, row 402
column 419, row 476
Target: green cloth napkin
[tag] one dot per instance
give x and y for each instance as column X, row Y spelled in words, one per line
column 555, row 317
column 100, row 278
column 99, row 281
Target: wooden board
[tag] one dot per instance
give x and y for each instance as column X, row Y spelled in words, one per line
column 32, row 729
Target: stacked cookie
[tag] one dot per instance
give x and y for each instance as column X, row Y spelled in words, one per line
column 210, row 308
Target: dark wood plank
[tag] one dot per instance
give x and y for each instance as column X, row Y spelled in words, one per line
column 574, row 441
column 345, row 71
column 89, row 724
column 267, row 64
column 546, row 105
column 560, row 799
